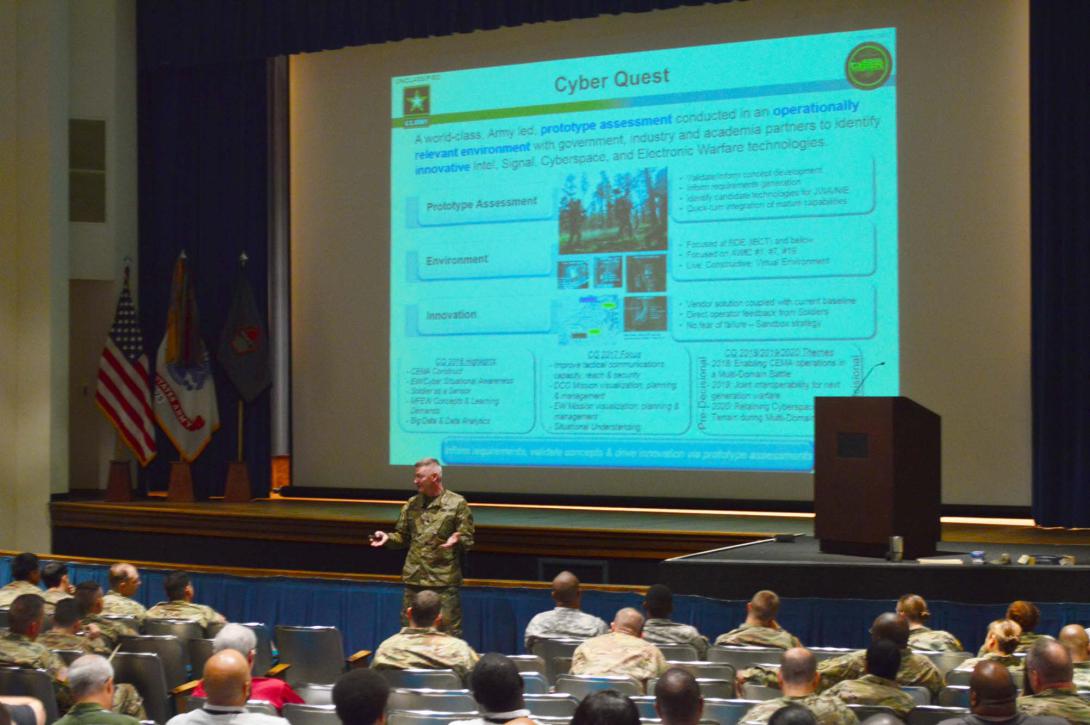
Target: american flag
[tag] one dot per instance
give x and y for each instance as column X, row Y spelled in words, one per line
column 122, row 392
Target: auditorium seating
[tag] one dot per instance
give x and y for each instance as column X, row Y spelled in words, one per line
column 429, row 717
column 416, row 679
column 316, row 654
column 183, row 629
column 310, row 714
column 726, row 711
column 946, row 661
column 741, row 656
column 552, row 704
column 131, row 622
column 864, row 711
column 31, row 683
column 685, row 652
column 144, row 671
column 428, row 699
column 751, row 691
column 580, row 686
column 200, row 650
column 173, row 656
column 534, row 683
column 954, row 696
column 920, row 695
column 709, row 686
column 553, row 651
column 932, row 714
column 69, row 655
column 958, row 677
column 315, row 694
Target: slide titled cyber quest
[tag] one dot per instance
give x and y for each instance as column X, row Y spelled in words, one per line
column 646, row 260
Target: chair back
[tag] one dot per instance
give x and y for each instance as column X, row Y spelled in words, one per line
column 958, row 677
column 946, row 661
column 534, row 683
column 712, row 687
column 752, row 691
column 560, row 666
column 171, row 653
column 683, row 652
column 402, row 698
column 263, row 653
column 183, row 629
column 30, row 683
column 551, row 720
column 711, row 670
column 933, row 714
column 580, row 686
column 314, row 694
column 646, row 705
column 129, row 621
column 144, row 671
column 69, row 655
column 726, row 711
column 316, row 654
column 528, row 663
column 954, row 696
column 741, row 656
column 200, row 650
column 551, row 704
column 549, row 649
column 310, row 714
column 920, row 694
column 827, row 653
column 415, row 679
column 213, row 629
column 428, row 717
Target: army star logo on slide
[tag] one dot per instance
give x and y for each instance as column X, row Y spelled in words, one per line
column 416, row 101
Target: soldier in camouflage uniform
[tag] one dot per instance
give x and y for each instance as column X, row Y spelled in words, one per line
column 25, row 577
column 878, row 686
column 915, row 669
column 621, row 652
column 18, row 648
column 992, row 695
column 566, row 620
column 437, row 527
column 760, row 628
column 55, row 577
column 913, row 607
column 180, row 592
column 91, row 679
column 659, row 629
column 1048, row 686
column 124, row 582
column 65, row 632
column 999, row 646
column 89, row 598
column 798, row 679
column 1027, row 615
column 1075, row 639
column 422, row 645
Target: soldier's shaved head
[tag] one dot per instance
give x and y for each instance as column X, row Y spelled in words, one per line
column 566, row 589
column 1048, row 664
column 793, row 714
column 629, row 621
column 677, row 697
column 891, row 626
column 227, row 679
column 798, row 666
column 765, row 605
column 992, row 691
column 424, row 608
column 1074, row 637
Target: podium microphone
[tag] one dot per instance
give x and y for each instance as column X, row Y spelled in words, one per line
column 872, row 369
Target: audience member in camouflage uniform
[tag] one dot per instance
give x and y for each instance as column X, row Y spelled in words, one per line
column 89, row 597
column 999, row 646
column 1047, row 685
column 91, row 680
column 25, row 577
column 437, row 527
column 677, row 698
column 761, row 628
column 55, row 578
column 65, row 631
column 180, row 592
column 566, row 620
column 422, row 645
column 992, row 695
column 798, row 678
column 621, row 652
column 913, row 607
column 124, row 582
column 878, row 686
column 659, row 629
column 1027, row 615
column 1075, row 639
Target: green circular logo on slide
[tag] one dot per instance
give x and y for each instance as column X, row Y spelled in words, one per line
column 869, row 65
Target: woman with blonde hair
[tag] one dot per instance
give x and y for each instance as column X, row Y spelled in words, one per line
column 999, row 646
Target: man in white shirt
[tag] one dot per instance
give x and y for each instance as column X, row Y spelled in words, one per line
column 227, row 684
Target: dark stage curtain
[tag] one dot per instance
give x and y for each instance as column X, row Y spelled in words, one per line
column 1060, row 203
column 202, row 165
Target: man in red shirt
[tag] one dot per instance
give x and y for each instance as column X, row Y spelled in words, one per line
column 244, row 641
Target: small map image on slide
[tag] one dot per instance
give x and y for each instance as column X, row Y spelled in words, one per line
column 625, row 212
column 589, row 317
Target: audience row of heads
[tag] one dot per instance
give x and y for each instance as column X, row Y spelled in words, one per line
column 124, row 578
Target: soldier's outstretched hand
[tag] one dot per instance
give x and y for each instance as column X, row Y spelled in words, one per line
column 454, row 539
column 379, row 538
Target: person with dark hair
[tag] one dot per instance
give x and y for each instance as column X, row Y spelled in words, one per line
column 878, row 686
column 999, row 646
column 25, row 576
column 798, row 679
column 760, row 628
column 422, row 644
column 677, row 698
column 497, row 687
column 1077, row 642
column 566, row 619
column 792, row 715
column 1027, row 615
column 913, row 608
column 659, row 629
column 359, row 697
column 180, row 593
column 992, row 695
column 1047, row 686
column 124, row 583
column 606, row 707
column 437, row 527
column 89, row 597
column 91, row 680
column 621, row 652
column 65, row 633
column 55, row 578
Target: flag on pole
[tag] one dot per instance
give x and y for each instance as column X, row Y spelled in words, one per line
column 244, row 344
column 185, row 394
column 121, row 392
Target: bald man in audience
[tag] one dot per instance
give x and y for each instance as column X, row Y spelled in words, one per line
column 124, row 583
column 992, row 695
column 761, row 628
column 422, row 644
column 1075, row 639
column 798, row 679
column 1047, row 686
column 227, row 684
column 269, row 689
column 566, row 620
column 658, row 628
column 677, row 698
column 621, row 652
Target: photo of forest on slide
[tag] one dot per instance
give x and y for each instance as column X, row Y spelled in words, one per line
column 623, row 213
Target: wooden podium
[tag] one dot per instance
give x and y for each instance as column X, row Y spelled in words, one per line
column 877, row 474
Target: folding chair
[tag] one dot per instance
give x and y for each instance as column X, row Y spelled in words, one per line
column 932, row 714
column 310, row 714
column 954, row 696
column 920, row 694
column 579, row 686
column 726, row 711
column 685, row 652
column 144, row 671
column 427, row 717
column 416, row 679
column 425, row 699
column 552, row 704
column 168, row 648
column 315, row 654
column 742, row 657
column 550, row 649
column 30, row 683
column 750, row 691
